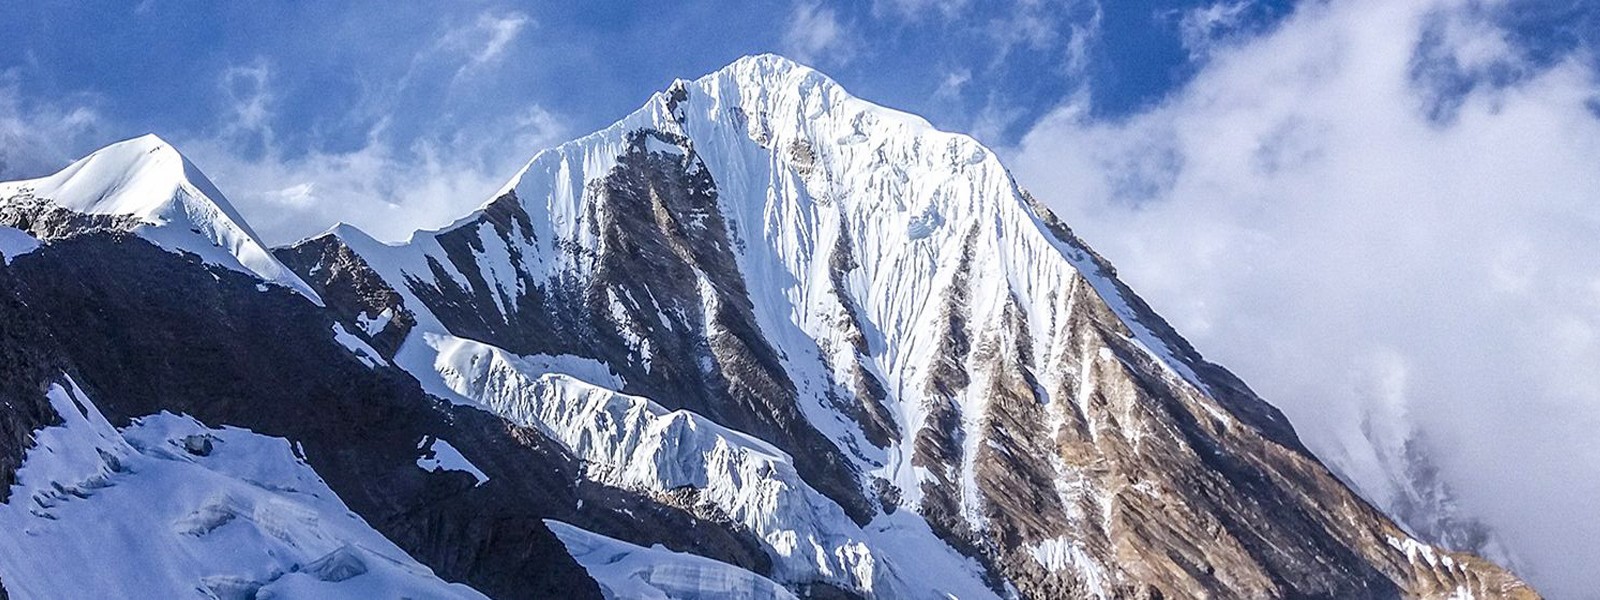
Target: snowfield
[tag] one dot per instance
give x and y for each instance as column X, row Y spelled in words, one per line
column 629, row 571
column 169, row 508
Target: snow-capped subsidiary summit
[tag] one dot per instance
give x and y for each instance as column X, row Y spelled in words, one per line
column 759, row 338
column 144, row 185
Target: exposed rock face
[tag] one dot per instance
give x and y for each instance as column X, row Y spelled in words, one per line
column 27, row 363
column 759, row 321
column 361, row 297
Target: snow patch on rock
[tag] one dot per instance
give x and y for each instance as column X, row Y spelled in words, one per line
column 374, row 325
column 439, row 455
column 357, row 346
column 15, row 242
column 1066, row 554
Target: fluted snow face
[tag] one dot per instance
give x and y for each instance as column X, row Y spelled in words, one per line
column 923, row 223
column 175, row 206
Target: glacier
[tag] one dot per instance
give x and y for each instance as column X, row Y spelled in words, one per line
column 172, row 508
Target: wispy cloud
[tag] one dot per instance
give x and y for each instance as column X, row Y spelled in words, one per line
column 390, row 183
column 387, row 187
column 248, row 97
column 1004, row 111
column 953, row 83
column 816, row 35
column 397, row 176
column 1201, row 29
column 1299, row 212
column 487, row 38
column 917, row 10
column 38, row 139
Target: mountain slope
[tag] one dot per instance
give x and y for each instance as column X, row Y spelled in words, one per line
column 880, row 303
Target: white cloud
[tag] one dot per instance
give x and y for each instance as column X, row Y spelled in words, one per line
column 1027, row 24
column 385, row 188
column 1200, row 29
column 1067, row 30
column 1079, row 37
column 247, row 89
column 918, row 9
column 486, row 38
column 1299, row 214
column 953, row 83
column 815, row 35
column 35, row 140
column 499, row 32
column 476, row 47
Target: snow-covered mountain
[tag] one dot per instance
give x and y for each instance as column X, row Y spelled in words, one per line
column 145, row 185
column 758, row 338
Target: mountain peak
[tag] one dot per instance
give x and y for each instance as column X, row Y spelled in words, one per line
column 176, row 206
column 132, row 177
column 771, row 73
column 767, row 63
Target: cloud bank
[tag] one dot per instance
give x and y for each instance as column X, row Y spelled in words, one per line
column 1386, row 217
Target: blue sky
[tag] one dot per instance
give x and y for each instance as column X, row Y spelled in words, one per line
column 332, row 73
column 398, row 115
column 330, row 77
column 1382, row 213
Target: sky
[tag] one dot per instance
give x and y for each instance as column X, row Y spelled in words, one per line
column 1384, row 215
